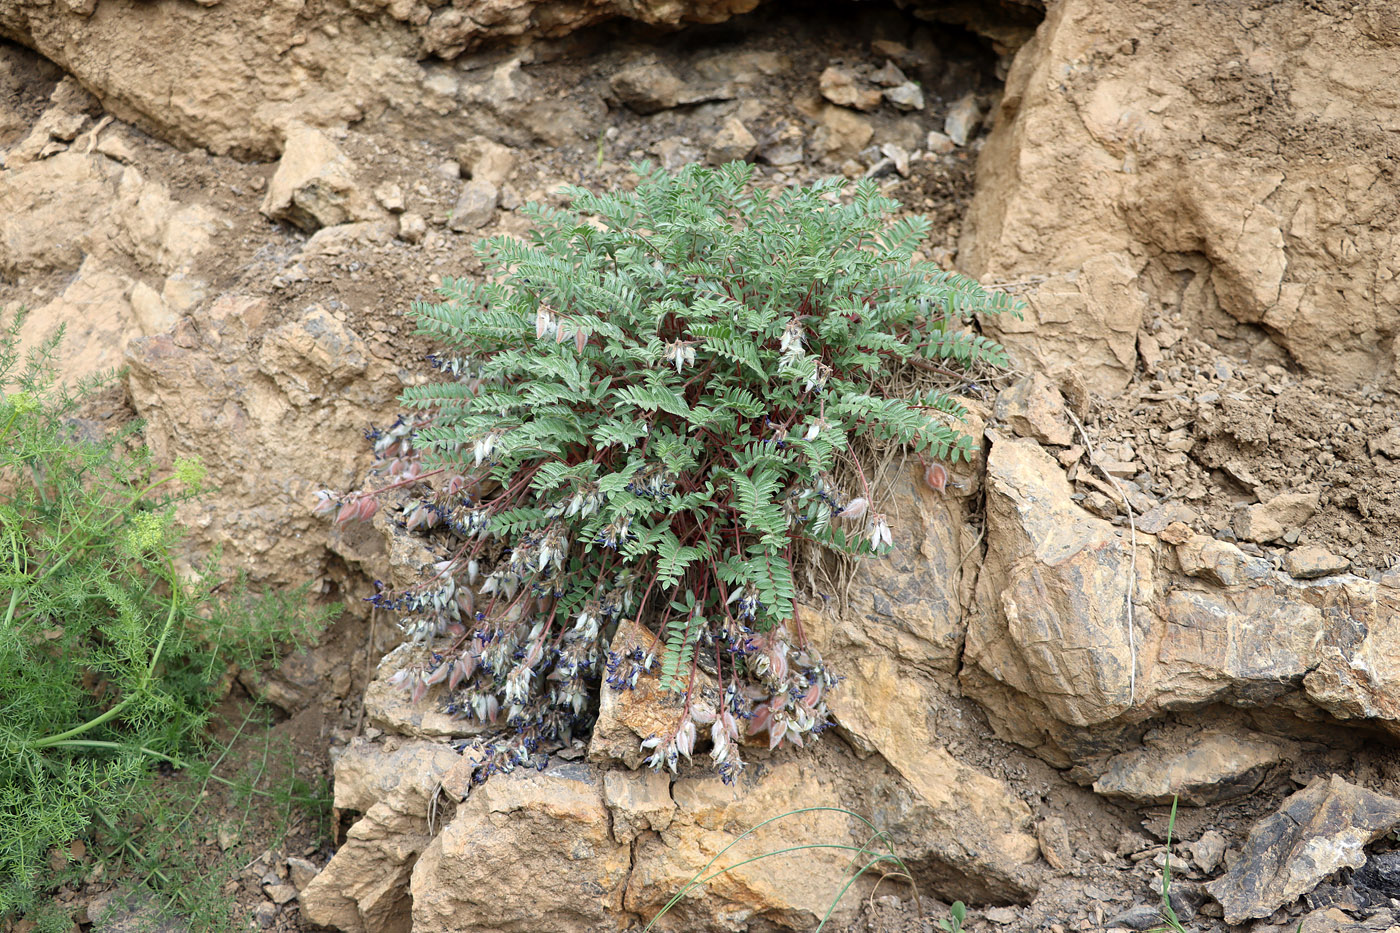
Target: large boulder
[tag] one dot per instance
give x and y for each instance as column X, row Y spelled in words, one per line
column 1056, row 657
column 1230, row 163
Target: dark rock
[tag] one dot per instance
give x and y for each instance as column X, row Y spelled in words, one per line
column 1317, row 831
column 1138, row 918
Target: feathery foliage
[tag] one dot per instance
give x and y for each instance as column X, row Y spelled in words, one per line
column 651, row 398
column 108, row 656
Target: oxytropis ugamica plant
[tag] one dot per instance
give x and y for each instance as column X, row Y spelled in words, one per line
column 657, row 406
column 110, row 657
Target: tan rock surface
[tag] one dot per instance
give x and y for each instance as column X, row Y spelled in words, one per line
column 1222, row 162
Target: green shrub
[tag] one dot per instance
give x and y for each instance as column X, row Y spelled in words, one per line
column 658, row 406
column 110, row 660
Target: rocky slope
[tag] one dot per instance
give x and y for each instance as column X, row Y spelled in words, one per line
column 1171, row 572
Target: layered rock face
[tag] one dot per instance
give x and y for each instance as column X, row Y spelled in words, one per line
column 1235, row 163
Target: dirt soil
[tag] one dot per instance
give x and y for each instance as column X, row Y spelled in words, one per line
column 1218, row 433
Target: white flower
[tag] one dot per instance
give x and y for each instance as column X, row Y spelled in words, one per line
column 879, row 532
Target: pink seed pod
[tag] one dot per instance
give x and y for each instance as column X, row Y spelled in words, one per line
column 580, row 340
column 854, row 509
column 347, row 512
column 420, row 688
column 368, row 506
column 936, row 476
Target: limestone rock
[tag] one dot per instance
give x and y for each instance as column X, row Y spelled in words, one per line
column 907, row 97
column 169, row 69
column 1310, row 563
column 310, row 357
column 1200, row 769
column 963, row 119
column 639, row 801
column 1267, row 521
column 486, row 160
column 647, row 87
column 527, row 851
column 1317, row 831
column 844, row 88
column 1034, row 408
column 314, row 185
column 841, row 134
column 627, row 717
column 265, row 421
column 301, row 871
column 1171, row 216
column 412, row 227
column 365, row 886
column 733, row 143
column 792, row 891
column 1048, row 651
column 1208, row 850
column 476, row 206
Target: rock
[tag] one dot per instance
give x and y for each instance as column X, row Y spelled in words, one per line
column 1202, row 769
column 907, row 97
column 898, row 156
column 476, row 206
column 314, row 185
column 1034, row 408
column 647, row 88
column 1048, row 652
column 152, row 316
column 390, row 197
column 1334, row 920
column 265, row 915
column 639, row 801
column 1220, row 562
column 1310, row 563
column 792, row 891
column 1319, row 830
column 844, row 88
column 963, row 119
column 1055, row 847
column 1208, row 851
column 676, row 152
column 627, row 717
column 120, row 910
column 1267, row 521
column 511, row 833
column 1051, row 592
column 98, row 320
column 783, row 147
column 412, row 227
column 1132, row 121
column 486, row 160
column 1001, row 915
column 280, row 893
column 1137, row 918
column 263, row 420
column 841, row 134
column 1387, row 445
column 939, row 143
column 733, row 143
column 888, row 75
column 365, row 886
column 302, row 871
column 968, row 826
column 1156, row 520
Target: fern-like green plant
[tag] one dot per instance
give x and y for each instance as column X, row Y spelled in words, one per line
column 109, row 657
column 654, row 399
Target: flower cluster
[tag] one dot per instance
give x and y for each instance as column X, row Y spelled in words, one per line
column 651, row 415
